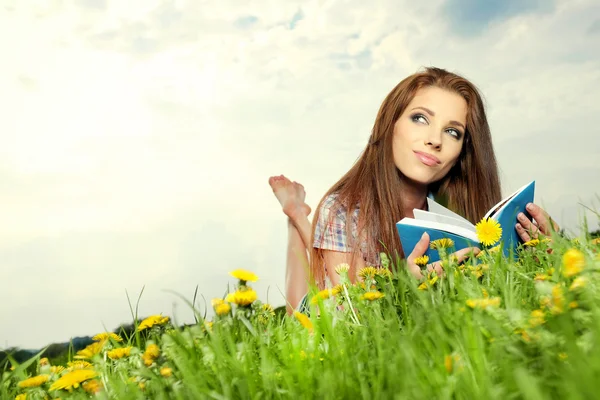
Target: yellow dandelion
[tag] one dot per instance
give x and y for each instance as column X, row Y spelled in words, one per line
column 217, row 301
column 443, row 243
column 56, row 369
column 429, row 282
column 304, row 320
column 558, row 300
column 478, row 270
column 244, row 276
column 242, row 297
column 578, row 283
column 367, row 272
column 545, row 301
column 44, row 361
column 452, row 363
column 372, row 295
column 422, row 261
column 541, row 277
column 166, row 372
column 148, row 361
column 595, row 241
column 90, row 350
column 448, row 363
column 266, row 313
column 92, row 387
column 536, row 318
column 573, row 304
column 35, row 381
column 151, row 321
column 73, row 379
column 223, row 309
column 153, row 350
column 74, row 365
column 531, row 243
column 488, row 231
column 337, row 289
column 573, row 261
column 342, row 268
column 121, row 352
column 490, row 251
column 22, row 396
column 483, row 303
column 386, row 273
column 101, row 337
column 323, row 295
column 523, row 334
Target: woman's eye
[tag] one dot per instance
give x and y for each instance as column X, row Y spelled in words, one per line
column 419, row 118
column 454, row 133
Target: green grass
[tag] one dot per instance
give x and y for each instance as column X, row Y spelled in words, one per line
column 409, row 344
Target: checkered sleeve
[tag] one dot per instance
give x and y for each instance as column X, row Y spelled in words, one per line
column 330, row 229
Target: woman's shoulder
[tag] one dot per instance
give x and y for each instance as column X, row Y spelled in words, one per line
column 333, row 204
column 330, row 201
column 333, row 207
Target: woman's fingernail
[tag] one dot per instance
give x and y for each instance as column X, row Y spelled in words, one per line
column 521, row 216
column 529, row 206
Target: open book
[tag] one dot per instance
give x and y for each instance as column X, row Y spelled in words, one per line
column 439, row 222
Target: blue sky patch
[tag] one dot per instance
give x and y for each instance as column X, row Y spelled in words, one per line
column 246, row 22
column 299, row 16
column 594, row 27
column 470, row 17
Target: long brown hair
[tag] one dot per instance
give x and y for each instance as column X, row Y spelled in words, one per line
column 374, row 183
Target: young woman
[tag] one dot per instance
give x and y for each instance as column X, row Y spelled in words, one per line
column 430, row 138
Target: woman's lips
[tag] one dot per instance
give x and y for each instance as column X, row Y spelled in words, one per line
column 427, row 159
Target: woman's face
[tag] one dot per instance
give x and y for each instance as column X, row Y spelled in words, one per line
column 429, row 135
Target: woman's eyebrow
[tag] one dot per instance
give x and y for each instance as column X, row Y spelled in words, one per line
column 428, row 111
column 459, row 124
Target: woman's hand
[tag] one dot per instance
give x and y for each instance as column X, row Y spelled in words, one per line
column 420, row 250
column 543, row 224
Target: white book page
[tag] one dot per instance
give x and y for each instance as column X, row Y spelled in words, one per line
column 457, row 230
column 503, row 202
column 440, row 209
column 443, row 219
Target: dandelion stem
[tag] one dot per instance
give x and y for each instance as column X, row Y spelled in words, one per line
column 351, row 307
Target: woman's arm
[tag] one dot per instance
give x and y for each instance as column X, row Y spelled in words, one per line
column 334, row 258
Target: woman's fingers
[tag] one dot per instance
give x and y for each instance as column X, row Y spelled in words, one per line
column 419, row 249
column 460, row 256
column 528, row 230
column 463, row 254
column 544, row 222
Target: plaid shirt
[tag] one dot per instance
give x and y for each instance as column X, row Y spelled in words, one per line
column 330, row 232
column 331, row 229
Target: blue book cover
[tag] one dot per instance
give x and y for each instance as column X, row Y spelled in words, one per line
column 439, row 222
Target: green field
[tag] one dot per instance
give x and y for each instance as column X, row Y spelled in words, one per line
column 487, row 329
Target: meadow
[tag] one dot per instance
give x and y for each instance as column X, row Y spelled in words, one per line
column 526, row 327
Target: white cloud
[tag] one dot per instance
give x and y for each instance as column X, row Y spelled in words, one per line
column 137, row 138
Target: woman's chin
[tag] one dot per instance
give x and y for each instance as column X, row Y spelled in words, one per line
column 419, row 180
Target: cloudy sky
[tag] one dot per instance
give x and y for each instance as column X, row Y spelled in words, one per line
column 137, row 137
